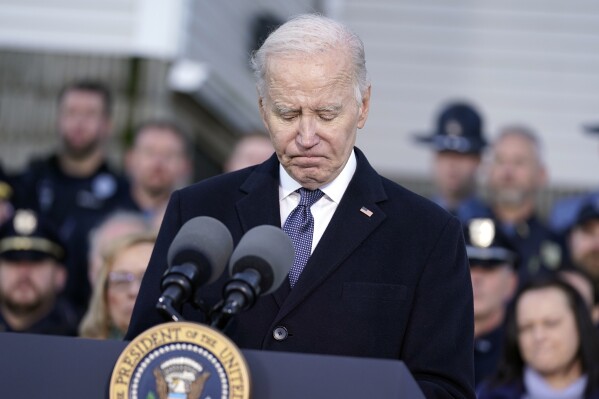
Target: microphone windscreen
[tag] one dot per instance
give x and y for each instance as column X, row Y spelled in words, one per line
column 268, row 250
column 205, row 242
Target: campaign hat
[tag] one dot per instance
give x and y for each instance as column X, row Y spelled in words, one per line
column 459, row 128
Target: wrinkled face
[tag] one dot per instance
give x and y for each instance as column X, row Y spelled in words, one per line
column 584, row 246
column 157, row 161
column 547, row 332
column 455, row 173
column 311, row 114
column 123, row 283
column 515, row 172
column 26, row 286
column 492, row 288
column 83, row 122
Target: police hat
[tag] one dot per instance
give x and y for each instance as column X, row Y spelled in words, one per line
column 486, row 245
column 26, row 236
column 588, row 211
column 459, row 129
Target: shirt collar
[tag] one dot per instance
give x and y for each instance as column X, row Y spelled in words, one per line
column 334, row 190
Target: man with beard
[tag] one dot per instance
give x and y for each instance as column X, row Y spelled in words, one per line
column 75, row 188
column 32, row 274
column 583, row 241
column 516, row 174
column 458, row 142
column 158, row 163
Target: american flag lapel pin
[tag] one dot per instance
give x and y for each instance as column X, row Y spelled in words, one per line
column 366, row 211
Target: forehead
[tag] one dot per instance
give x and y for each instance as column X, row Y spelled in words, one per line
column 514, row 144
column 133, row 257
column 39, row 264
column 82, row 97
column 308, row 75
column 542, row 302
column 152, row 133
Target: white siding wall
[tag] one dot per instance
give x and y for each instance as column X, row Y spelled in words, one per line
column 534, row 62
column 132, row 27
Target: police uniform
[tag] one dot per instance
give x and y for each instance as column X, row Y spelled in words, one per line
column 459, row 129
column 27, row 237
column 487, row 247
column 540, row 251
column 75, row 205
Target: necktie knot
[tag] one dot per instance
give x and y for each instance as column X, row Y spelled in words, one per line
column 309, row 197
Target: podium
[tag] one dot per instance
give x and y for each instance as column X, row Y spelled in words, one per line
column 37, row 366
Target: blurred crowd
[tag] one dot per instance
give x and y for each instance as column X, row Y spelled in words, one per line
column 76, row 236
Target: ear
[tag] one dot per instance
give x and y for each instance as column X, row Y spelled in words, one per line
column 364, row 108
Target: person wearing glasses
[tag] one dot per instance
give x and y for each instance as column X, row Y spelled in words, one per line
column 116, row 287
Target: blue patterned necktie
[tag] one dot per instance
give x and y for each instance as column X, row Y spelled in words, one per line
column 300, row 227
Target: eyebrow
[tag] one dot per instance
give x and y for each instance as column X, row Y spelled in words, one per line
column 329, row 108
column 281, row 109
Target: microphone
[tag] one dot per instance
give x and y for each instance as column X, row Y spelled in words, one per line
column 197, row 256
column 258, row 266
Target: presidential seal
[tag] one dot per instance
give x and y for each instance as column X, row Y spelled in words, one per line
column 180, row 360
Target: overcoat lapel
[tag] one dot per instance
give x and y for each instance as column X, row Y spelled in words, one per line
column 350, row 226
column 261, row 204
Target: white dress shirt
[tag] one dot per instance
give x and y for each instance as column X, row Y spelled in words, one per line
column 323, row 209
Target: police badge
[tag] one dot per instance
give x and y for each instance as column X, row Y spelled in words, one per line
column 180, row 360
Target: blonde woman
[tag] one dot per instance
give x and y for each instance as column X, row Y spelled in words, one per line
column 117, row 286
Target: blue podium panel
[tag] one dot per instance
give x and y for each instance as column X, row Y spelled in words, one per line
column 37, row 366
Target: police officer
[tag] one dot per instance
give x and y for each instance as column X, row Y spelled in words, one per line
column 494, row 280
column 516, row 174
column 32, row 275
column 75, row 188
column 458, row 142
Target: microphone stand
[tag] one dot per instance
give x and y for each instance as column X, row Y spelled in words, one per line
column 240, row 294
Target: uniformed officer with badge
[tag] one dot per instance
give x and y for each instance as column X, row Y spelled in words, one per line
column 32, row 275
column 516, row 174
column 75, row 188
column 493, row 263
column 458, row 142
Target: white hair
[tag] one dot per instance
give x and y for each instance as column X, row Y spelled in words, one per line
column 311, row 34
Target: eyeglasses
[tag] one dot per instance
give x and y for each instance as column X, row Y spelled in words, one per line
column 122, row 281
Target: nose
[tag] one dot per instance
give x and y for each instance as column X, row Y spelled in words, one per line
column 538, row 333
column 307, row 136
